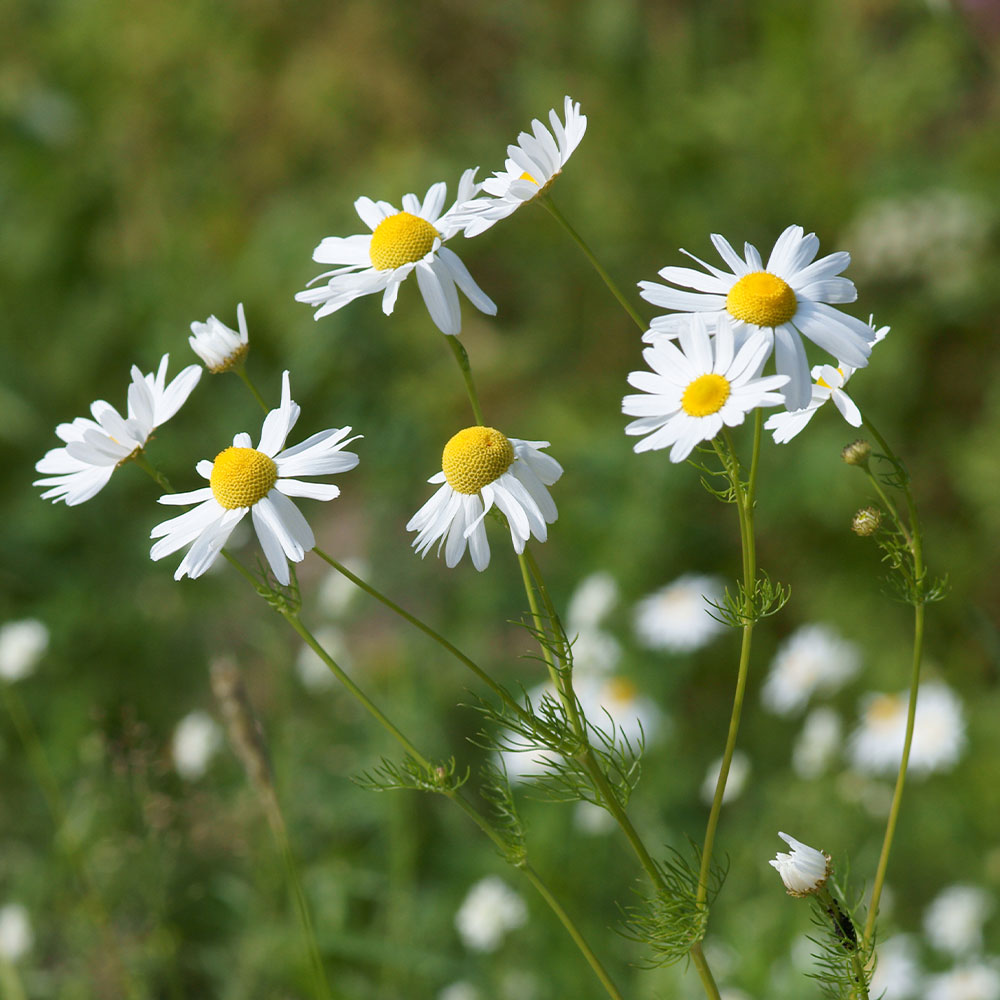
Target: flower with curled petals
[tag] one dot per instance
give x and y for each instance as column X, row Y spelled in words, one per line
column 95, row 448
column 259, row 480
column 400, row 242
column 805, row 870
column 217, row 345
column 790, row 298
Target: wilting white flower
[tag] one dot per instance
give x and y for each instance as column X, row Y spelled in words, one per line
column 400, row 242
column 792, row 297
column 258, row 481
column 489, row 911
column 312, row 671
column 678, row 617
column 805, row 870
column 217, row 345
column 95, row 448
column 897, row 974
column 954, row 921
column 817, row 743
column 594, row 598
column 532, row 165
column 698, row 388
column 739, row 771
column 22, row 645
column 876, row 746
column 195, row 742
column 973, row 981
column 480, row 468
column 814, row 658
column 16, row 935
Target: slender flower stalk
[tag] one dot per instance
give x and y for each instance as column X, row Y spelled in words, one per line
column 462, row 358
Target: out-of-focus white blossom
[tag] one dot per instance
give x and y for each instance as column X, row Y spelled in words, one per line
column 489, row 911
column 678, row 617
column 817, row 743
column 739, row 771
column 22, row 645
column 973, row 981
column 195, row 742
column 16, row 935
column 312, row 671
column 897, row 975
column 813, row 658
column 954, row 921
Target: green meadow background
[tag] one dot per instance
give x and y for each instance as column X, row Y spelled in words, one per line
column 166, row 160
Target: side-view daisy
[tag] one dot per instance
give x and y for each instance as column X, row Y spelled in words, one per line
column 694, row 390
column 217, row 345
column 480, row 468
column 532, row 165
column 828, row 383
column 788, row 299
column 400, row 242
column 259, row 480
column 95, row 448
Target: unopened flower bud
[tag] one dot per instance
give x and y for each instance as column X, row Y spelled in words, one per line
column 866, row 521
column 857, row 453
column 805, row 870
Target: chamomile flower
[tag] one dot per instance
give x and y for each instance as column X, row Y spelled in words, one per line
column 217, row 345
column 95, row 448
column 400, row 242
column 480, row 468
column 532, row 165
column 490, row 910
column 897, row 974
column 828, row 383
column 695, row 390
column 257, row 480
column 954, row 921
column 789, row 298
column 805, row 870
column 678, row 617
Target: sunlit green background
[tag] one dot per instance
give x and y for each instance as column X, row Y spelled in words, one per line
column 163, row 161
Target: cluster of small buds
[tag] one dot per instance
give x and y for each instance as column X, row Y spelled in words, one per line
column 857, row 453
column 866, row 521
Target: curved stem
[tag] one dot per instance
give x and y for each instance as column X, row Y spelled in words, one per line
column 241, row 371
column 154, row 473
column 550, row 205
column 462, row 357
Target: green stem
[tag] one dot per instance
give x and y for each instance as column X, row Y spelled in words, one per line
column 462, row 358
column 154, row 473
column 550, row 205
column 241, row 371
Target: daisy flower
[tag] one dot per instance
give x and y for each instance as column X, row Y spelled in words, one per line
column 481, row 467
column 258, row 480
column 897, row 974
column 400, row 242
column 971, row 981
column 695, row 390
column 217, row 345
column 532, row 165
column 954, row 921
column 95, row 448
column 805, row 870
column 828, row 383
column 739, row 771
column 490, row 910
column 677, row 617
column 788, row 299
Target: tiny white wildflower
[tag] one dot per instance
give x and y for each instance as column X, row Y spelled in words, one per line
column 196, row 739
column 678, row 617
column 805, row 870
column 217, row 345
column 22, row 644
column 489, row 911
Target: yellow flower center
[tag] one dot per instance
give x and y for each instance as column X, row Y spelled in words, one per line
column 242, row 476
column 822, row 382
column 475, row 457
column 527, row 177
column 762, row 298
column 885, row 708
column 705, row 395
column 401, row 239
column 621, row 689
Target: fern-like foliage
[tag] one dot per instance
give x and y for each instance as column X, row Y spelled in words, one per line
column 844, row 961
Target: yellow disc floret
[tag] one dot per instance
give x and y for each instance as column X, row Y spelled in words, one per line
column 762, row 298
column 476, row 457
column 705, row 395
column 400, row 239
column 242, row 476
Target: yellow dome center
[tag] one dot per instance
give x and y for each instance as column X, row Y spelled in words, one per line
column 621, row 689
column 401, row 239
column 823, row 382
column 762, row 298
column 475, row 457
column 885, row 708
column 527, row 177
column 242, row 476
column 705, row 395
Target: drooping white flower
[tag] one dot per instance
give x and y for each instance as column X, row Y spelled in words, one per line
column 532, row 165
column 16, row 935
column 972, row 981
column 490, row 910
column 697, row 389
column 258, row 480
column 813, row 658
column 400, row 242
column 677, row 617
column 876, row 746
column 195, row 742
column 817, row 743
column 217, row 345
column 789, row 298
column 805, row 870
column 22, row 644
column 739, row 771
column 954, row 921
column 897, row 974
column 480, row 468
column 95, row 448
column 828, row 383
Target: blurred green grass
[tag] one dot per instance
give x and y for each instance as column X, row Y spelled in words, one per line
column 165, row 162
